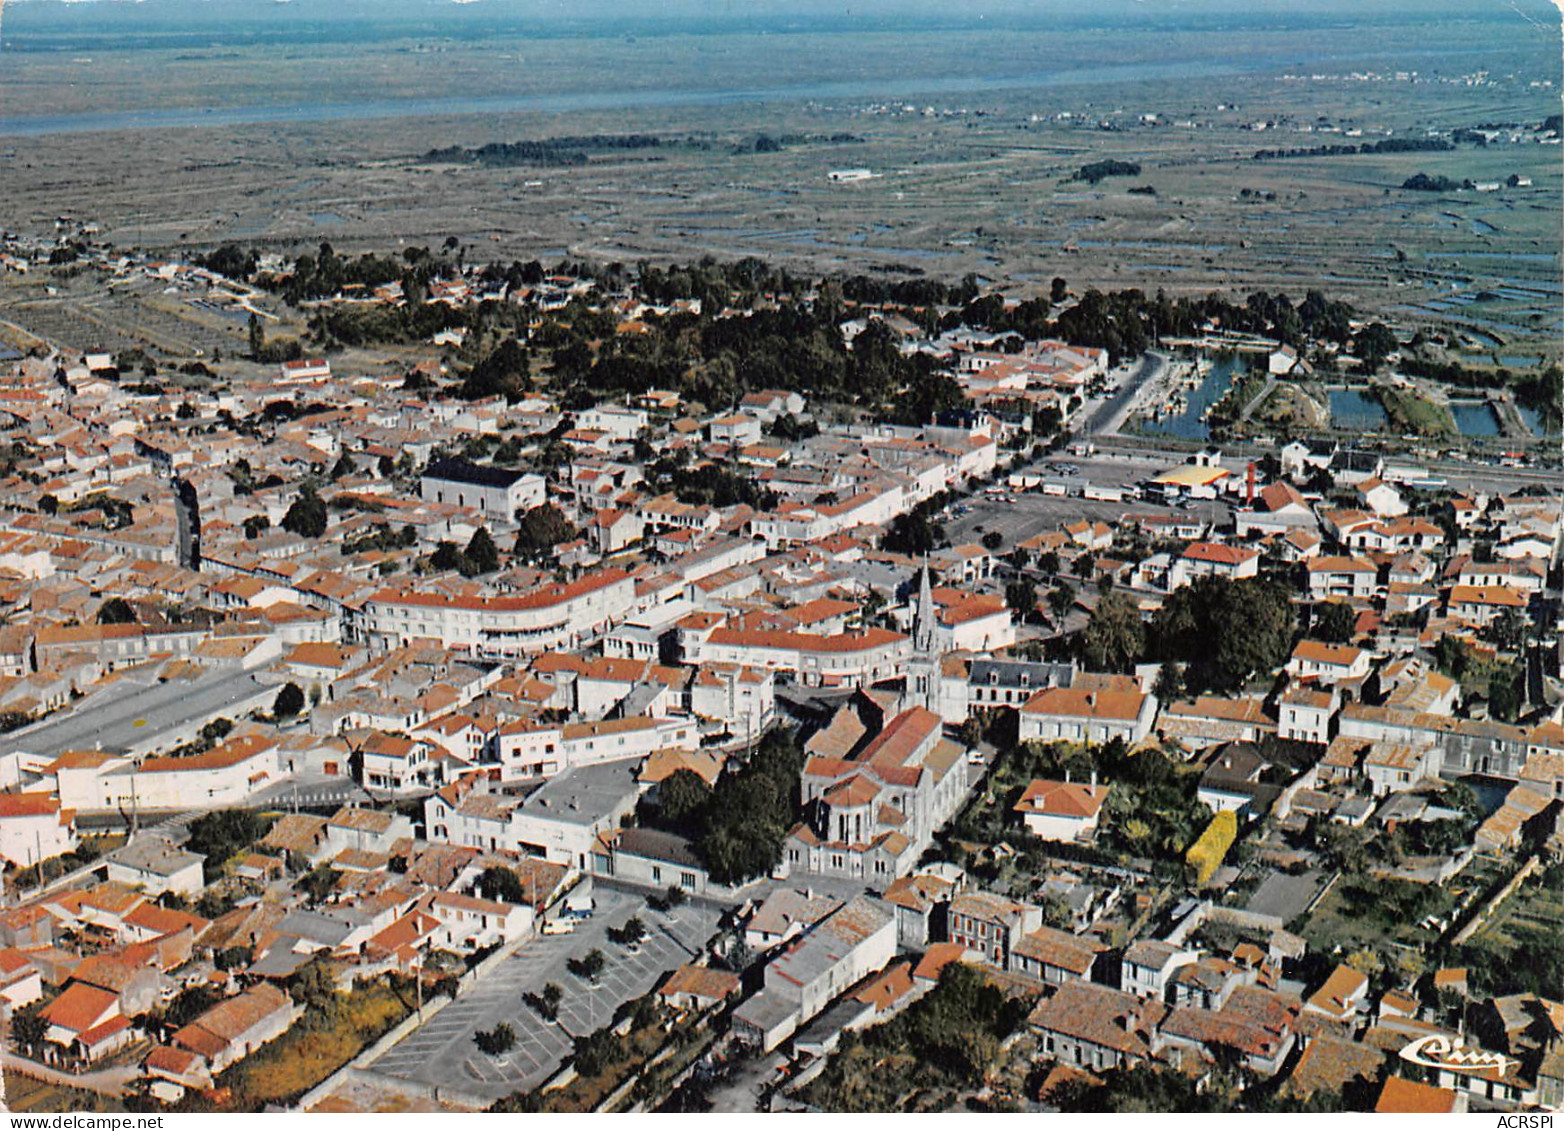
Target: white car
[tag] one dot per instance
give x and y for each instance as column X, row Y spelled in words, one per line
column 559, row 926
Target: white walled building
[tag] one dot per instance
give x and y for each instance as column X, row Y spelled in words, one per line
column 494, row 491
column 33, row 827
column 502, row 627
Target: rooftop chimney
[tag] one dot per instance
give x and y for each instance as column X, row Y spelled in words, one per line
column 1094, row 783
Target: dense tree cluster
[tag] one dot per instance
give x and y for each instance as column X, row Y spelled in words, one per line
column 707, row 484
column 1224, row 632
column 1388, row 145
column 1422, row 182
column 554, row 152
column 541, row 529
column 1100, row 170
column 950, row 1038
column 325, row 273
column 218, row 836
column 481, row 555
column 738, row 826
column 306, row 517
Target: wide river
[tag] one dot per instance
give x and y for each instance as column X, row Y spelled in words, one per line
column 175, row 117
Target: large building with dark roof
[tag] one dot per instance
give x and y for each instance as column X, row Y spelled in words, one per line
column 495, row 492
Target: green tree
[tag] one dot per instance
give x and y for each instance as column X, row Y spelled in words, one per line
column 257, row 335
column 1115, row 636
column 913, row 534
column 632, row 932
column 1374, row 343
column 315, row 987
column 500, row 1039
column 552, row 996
column 502, row 885
column 1333, row 622
column 1170, row 682
column 1223, row 631
column 541, row 529
column 597, row 1052
column 447, row 557
column 307, row 516
column 289, row 701
column 1506, row 691
column 190, row 1004
column 588, row 966
column 233, row 957
column 1021, row 597
column 116, row 610
column 317, row 883
column 752, row 809
column 221, row 835
column 503, row 373
column 682, row 798
column 1061, row 599
column 28, row 1028
column 1508, row 631
column 482, row 555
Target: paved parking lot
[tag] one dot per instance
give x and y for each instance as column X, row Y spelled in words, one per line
column 443, row 1052
column 1032, row 512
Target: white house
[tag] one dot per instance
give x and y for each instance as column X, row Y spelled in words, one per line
column 1481, row 604
column 562, row 820
column 392, row 763
column 155, row 866
column 1327, row 663
column 1149, row 965
column 1213, row 559
column 1062, row 810
column 737, row 429
column 618, row 421
column 1304, row 714
column 33, row 827
column 1077, row 714
column 468, row 923
column 1335, row 576
column 224, row 775
column 304, row 371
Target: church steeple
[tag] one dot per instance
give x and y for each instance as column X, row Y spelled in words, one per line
column 924, row 619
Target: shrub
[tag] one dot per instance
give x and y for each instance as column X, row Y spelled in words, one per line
column 1207, row 853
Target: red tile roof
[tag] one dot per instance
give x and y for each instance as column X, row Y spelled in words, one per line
column 80, row 1007
column 1062, row 799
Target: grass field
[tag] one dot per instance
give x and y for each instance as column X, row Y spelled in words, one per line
column 315, row 1047
column 1533, row 909
column 24, row 1094
column 1367, row 912
column 1410, row 412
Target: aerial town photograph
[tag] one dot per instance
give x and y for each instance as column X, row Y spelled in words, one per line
column 789, row 556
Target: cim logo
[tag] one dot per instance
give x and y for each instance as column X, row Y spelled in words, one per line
column 1438, row 1051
